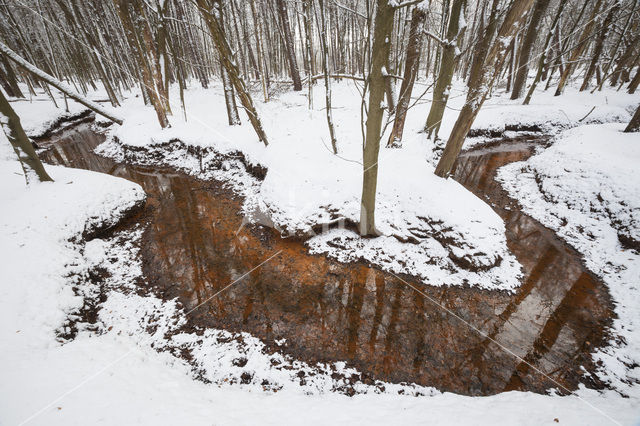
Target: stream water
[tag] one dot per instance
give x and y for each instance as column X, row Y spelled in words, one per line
column 329, row 311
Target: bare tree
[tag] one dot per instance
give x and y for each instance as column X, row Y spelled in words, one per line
column 379, row 60
column 529, row 39
column 634, row 124
column 447, row 65
column 481, row 80
column 412, row 62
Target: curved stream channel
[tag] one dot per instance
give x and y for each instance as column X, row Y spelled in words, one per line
column 329, row 311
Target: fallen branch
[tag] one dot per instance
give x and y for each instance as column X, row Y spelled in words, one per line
column 588, row 114
column 347, row 76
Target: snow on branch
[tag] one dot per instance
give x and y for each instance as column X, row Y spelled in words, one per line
column 99, row 109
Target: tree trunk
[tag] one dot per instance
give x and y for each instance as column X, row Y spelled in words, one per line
column 597, row 50
column 58, row 84
column 262, row 69
column 577, row 51
column 137, row 47
column 634, row 124
column 481, row 84
column 229, row 95
column 288, row 43
column 327, row 80
column 309, row 34
column 10, row 78
column 379, row 59
column 447, row 66
column 543, row 57
column 529, row 39
column 31, row 164
column 211, row 16
column 412, row 61
column 633, row 86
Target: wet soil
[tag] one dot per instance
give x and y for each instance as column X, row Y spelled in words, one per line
column 195, row 245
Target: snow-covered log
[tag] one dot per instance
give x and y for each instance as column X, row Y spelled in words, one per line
column 98, row 109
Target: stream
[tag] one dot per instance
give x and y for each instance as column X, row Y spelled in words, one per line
column 328, row 311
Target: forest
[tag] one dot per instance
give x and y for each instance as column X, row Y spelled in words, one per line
column 287, row 211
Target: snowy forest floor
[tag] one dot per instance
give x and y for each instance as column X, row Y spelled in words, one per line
column 122, row 358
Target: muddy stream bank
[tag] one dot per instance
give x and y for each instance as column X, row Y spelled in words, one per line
column 195, row 245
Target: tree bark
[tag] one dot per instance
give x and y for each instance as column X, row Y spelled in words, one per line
column 327, row 81
column 10, row 79
column 597, row 50
column 229, row 95
column 633, row 86
column 31, row 164
column 528, row 41
column 309, row 52
column 137, row 47
column 577, row 51
column 380, row 57
column 288, row 43
column 543, row 56
column 412, row 62
column 481, row 83
column 58, row 84
column 447, row 67
column 634, row 124
column 211, row 16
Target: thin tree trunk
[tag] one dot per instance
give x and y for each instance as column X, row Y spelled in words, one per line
column 327, row 81
column 543, row 56
column 447, row 66
column 309, row 34
column 58, row 84
column 122, row 7
column 10, row 77
column 229, row 95
column 262, row 69
column 380, row 58
column 211, row 15
column 288, row 42
column 481, row 84
column 577, row 51
column 597, row 50
column 634, row 124
column 31, row 164
column 633, row 86
column 412, row 61
column 528, row 41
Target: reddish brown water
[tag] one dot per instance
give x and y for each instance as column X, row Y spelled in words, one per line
column 328, row 311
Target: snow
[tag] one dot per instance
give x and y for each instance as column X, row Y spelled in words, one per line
column 306, row 186
column 39, row 114
column 119, row 371
column 58, row 84
column 586, row 187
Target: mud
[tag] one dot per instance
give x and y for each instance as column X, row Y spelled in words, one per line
column 195, row 245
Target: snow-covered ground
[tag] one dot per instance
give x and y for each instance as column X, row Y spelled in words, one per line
column 39, row 114
column 306, row 185
column 110, row 372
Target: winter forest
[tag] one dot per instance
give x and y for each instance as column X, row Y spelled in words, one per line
column 320, row 211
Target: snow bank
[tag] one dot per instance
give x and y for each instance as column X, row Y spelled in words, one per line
column 546, row 113
column 432, row 228
column 586, row 187
column 39, row 114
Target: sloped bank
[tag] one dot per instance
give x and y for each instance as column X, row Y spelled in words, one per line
column 439, row 243
column 585, row 187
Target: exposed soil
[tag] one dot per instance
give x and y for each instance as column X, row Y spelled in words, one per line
column 195, row 245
